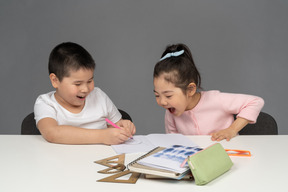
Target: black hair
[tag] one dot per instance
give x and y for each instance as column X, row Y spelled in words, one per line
column 179, row 70
column 69, row 56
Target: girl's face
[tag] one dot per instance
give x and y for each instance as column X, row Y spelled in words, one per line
column 172, row 98
column 72, row 91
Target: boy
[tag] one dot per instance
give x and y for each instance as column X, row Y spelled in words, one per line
column 75, row 113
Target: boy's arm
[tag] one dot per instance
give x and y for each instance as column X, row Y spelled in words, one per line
column 64, row 134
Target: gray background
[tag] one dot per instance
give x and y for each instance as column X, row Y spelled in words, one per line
column 238, row 46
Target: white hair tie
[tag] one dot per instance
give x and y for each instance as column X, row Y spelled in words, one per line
column 173, row 54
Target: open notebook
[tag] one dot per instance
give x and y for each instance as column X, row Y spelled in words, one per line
column 145, row 143
column 164, row 162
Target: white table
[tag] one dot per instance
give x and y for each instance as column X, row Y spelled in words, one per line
column 29, row 163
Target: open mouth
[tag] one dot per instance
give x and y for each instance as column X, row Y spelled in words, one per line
column 80, row 97
column 172, row 110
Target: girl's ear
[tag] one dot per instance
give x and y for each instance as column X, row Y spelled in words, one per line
column 54, row 80
column 191, row 89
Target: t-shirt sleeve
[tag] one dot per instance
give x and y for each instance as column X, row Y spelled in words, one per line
column 112, row 111
column 43, row 109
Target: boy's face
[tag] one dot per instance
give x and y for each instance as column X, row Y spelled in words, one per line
column 172, row 98
column 72, row 91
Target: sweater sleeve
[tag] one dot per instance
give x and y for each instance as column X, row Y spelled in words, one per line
column 244, row 106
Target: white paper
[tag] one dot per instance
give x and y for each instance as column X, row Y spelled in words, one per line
column 145, row 143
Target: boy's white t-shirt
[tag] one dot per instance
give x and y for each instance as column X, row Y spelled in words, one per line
column 98, row 106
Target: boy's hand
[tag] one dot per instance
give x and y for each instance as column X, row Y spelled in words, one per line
column 127, row 125
column 113, row 136
column 227, row 134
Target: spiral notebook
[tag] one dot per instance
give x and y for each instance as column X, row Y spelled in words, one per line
column 163, row 162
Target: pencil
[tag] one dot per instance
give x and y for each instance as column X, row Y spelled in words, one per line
column 184, row 162
column 114, row 125
column 111, row 123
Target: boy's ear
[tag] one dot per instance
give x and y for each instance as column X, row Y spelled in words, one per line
column 54, row 80
column 191, row 89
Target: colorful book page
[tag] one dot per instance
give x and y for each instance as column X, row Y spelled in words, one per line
column 170, row 158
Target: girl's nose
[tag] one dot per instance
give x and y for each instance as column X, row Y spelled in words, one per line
column 163, row 102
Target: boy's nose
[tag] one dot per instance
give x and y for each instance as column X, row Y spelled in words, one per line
column 84, row 88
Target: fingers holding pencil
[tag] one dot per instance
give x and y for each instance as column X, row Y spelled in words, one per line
column 127, row 126
column 114, row 136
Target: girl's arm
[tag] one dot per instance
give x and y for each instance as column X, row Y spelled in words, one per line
column 231, row 131
column 247, row 108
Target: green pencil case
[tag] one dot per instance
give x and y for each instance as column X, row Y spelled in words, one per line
column 209, row 164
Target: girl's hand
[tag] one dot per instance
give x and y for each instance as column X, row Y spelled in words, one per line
column 227, row 134
column 231, row 131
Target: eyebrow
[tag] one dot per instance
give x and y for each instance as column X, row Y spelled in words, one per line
column 163, row 91
column 83, row 81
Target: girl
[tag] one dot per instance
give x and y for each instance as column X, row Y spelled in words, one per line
column 191, row 112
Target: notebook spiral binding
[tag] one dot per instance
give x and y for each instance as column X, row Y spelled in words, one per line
column 143, row 156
